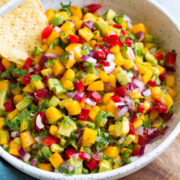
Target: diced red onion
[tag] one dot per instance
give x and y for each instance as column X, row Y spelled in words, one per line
column 89, row 24
column 121, row 140
column 120, row 104
column 130, row 75
column 57, row 29
column 22, row 152
column 44, row 58
column 110, row 57
column 164, row 131
column 30, row 70
column 71, row 55
column 90, row 102
column 139, row 130
column 139, row 83
column 38, row 138
column 77, row 96
column 52, row 55
column 153, row 137
column 147, row 93
column 26, row 157
column 15, row 134
column 39, row 123
column 127, row 18
column 122, row 111
column 158, row 82
column 93, row 54
column 34, row 161
column 109, row 69
column 70, row 95
column 91, row 60
column 140, row 36
column 129, row 86
column 141, row 152
column 85, row 58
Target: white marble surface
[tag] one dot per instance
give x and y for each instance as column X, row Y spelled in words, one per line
column 173, row 7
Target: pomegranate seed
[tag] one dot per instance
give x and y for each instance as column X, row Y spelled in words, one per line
column 142, row 140
column 92, row 164
column 128, row 42
column 151, row 83
column 162, row 76
column 45, row 79
column 116, row 98
column 2, row 68
column 69, row 153
column 41, row 93
column 8, row 106
column 26, row 79
column 27, row 63
column 93, row 7
column 149, row 131
column 100, row 55
column 117, row 26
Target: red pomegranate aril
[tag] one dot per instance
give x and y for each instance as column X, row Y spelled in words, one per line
column 149, row 131
column 162, row 108
column 41, row 93
column 2, row 68
column 96, row 97
column 100, row 55
column 104, row 63
column 26, row 79
column 45, row 79
column 128, row 42
column 92, row 164
column 120, row 91
column 170, row 61
column 79, row 86
column 84, row 114
column 140, row 108
column 8, row 106
column 151, row 83
column 166, row 117
column 116, row 98
column 93, row 7
column 162, row 76
column 123, row 32
column 49, row 140
column 27, row 63
column 73, row 39
column 142, row 140
column 136, row 151
column 84, row 156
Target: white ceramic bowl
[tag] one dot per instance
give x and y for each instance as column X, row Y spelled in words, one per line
column 166, row 29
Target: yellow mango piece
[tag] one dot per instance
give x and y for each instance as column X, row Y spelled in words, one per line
column 24, row 125
column 67, row 26
column 86, row 33
column 57, row 50
column 46, row 72
column 119, row 60
column 38, row 84
column 107, row 97
column 104, row 77
column 112, row 80
column 4, row 84
column 12, row 114
column 116, row 162
column 63, row 14
column 2, row 123
column 4, row 136
column 156, row 92
column 78, row 24
column 170, row 80
column 97, row 35
column 53, row 114
column 26, row 139
column 93, row 113
column 76, row 11
column 104, row 166
column 139, row 27
column 161, row 69
column 128, row 64
column 58, row 68
column 124, row 25
column 89, row 16
column 89, row 137
column 154, row 115
column 138, row 122
column 64, row 35
column 67, row 84
column 115, row 49
column 54, row 35
column 45, row 166
column 14, row 148
column 171, row 92
column 96, row 86
column 136, row 139
column 17, row 98
column 76, row 48
column 73, row 107
column 135, row 94
column 167, row 100
column 70, row 63
column 50, row 14
column 53, row 130
column 111, row 151
column 56, row 160
column 110, row 107
column 89, row 79
column 6, row 63
column 28, row 89
column 147, row 76
column 69, row 74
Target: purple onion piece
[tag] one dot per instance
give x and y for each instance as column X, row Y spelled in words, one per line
column 85, row 58
column 140, row 36
column 33, row 162
column 71, row 168
column 164, row 131
column 141, row 152
column 44, row 58
column 93, row 54
column 153, row 137
column 22, row 152
column 89, row 24
column 77, row 97
column 70, row 95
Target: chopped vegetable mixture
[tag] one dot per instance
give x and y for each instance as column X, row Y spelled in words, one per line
column 93, row 95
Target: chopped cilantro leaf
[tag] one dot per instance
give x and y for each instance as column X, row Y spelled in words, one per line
column 36, row 77
column 19, row 72
column 57, row 20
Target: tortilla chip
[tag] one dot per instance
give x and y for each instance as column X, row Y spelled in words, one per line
column 20, row 30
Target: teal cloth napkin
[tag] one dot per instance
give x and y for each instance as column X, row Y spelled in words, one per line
column 7, row 172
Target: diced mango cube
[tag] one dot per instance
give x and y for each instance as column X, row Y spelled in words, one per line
column 26, row 139
column 58, row 68
column 76, row 48
column 45, row 166
column 89, row 79
column 56, row 160
column 14, row 148
column 38, row 84
column 50, row 14
column 73, row 107
column 6, row 63
column 96, row 86
column 53, row 114
column 86, row 33
column 63, row 14
column 46, row 72
column 67, row 84
column 69, row 74
column 28, row 89
column 2, row 123
column 170, row 80
column 17, row 98
column 93, row 113
column 54, row 35
column 111, row 151
column 104, row 77
column 4, row 136
column 76, row 11
column 4, row 84
column 12, row 114
column 171, row 92
column 89, row 16
column 139, row 27
column 67, row 26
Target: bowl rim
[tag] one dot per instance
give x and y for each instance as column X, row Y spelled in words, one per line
column 123, row 171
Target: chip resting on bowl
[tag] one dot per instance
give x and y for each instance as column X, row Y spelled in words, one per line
column 20, row 30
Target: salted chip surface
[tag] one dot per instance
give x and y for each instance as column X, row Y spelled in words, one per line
column 20, row 30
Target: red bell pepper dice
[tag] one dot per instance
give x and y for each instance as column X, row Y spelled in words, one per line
column 27, row 63
column 136, row 151
column 26, row 79
column 140, row 108
column 8, row 106
column 113, row 40
column 162, row 76
column 100, row 55
column 151, row 83
column 162, row 108
column 128, row 42
column 96, row 97
column 84, row 114
column 120, row 91
column 96, row 157
column 46, row 32
column 159, row 56
column 73, row 39
column 170, row 61
column 93, row 7
column 131, row 129
column 84, row 156
column 79, row 86
column 92, row 164
column 142, row 140
column 49, row 140
column 118, row 26
column 149, row 131
column 69, row 153
column 104, row 63
column 123, row 32
column 116, row 98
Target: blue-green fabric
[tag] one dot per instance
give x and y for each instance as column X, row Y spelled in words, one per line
column 7, row 172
